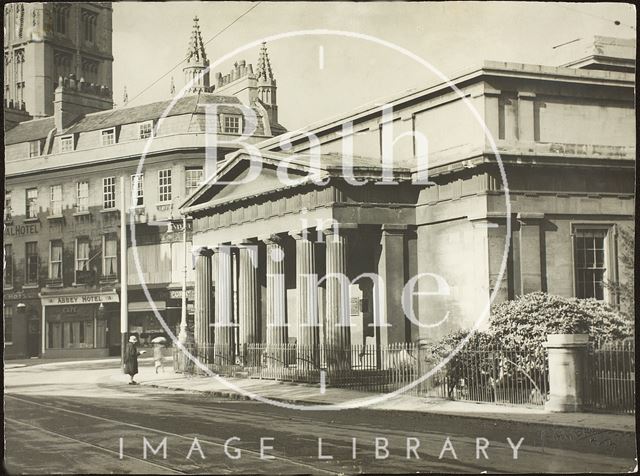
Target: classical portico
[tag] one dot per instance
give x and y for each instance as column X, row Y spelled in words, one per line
column 293, row 266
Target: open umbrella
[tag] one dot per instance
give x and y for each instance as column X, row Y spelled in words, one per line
column 159, row 340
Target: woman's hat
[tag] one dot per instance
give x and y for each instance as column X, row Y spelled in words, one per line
column 133, row 339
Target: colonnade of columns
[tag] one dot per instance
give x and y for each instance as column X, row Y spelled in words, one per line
column 237, row 305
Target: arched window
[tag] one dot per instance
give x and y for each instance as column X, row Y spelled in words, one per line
column 89, row 20
column 61, row 14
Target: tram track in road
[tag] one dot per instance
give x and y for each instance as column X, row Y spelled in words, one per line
column 205, row 440
column 100, row 414
column 92, row 445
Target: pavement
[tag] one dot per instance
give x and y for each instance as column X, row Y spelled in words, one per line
column 292, row 394
column 297, row 395
column 82, row 417
column 20, row 363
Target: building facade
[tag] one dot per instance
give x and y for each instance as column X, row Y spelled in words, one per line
column 63, row 200
column 44, row 41
column 527, row 195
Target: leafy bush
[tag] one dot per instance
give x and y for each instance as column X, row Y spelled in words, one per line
column 518, row 329
column 526, row 321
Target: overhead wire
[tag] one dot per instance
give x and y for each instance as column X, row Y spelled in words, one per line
column 615, row 22
column 205, row 43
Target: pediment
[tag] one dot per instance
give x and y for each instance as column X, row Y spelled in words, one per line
column 237, row 181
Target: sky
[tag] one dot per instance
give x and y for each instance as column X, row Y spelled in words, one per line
column 321, row 75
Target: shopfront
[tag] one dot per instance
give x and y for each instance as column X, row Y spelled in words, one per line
column 76, row 325
column 21, row 312
column 174, row 308
column 143, row 321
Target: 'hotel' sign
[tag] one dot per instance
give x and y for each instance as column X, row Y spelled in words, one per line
column 91, row 298
column 21, row 230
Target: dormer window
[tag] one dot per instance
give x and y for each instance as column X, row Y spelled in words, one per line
column 34, row 148
column 108, row 136
column 66, row 143
column 145, row 129
column 231, row 124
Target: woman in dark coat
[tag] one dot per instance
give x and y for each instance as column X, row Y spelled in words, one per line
column 130, row 359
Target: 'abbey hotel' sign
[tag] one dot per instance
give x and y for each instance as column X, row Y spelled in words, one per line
column 88, row 298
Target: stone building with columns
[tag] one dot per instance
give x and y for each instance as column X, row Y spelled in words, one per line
column 526, row 194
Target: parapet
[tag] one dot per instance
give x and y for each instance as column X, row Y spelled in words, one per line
column 71, row 83
column 240, row 70
column 14, row 105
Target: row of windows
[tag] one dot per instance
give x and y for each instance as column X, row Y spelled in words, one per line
column 590, row 260
column 82, row 260
column 231, row 125
column 107, row 137
column 193, row 178
column 89, row 21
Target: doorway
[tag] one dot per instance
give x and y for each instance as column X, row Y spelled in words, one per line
column 34, row 342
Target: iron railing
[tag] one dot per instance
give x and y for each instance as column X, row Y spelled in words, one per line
column 490, row 373
column 610, row 370
column 481, row 374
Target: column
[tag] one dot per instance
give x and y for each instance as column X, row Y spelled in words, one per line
column 277, row 336
column 530, row 252
column 224, row 324
column 203, row 303
column 337, row 320
column 308, row 356
column 391, row 268
column 248, row 307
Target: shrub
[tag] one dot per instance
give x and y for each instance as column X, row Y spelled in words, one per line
column 526, row 321
column 521, row 326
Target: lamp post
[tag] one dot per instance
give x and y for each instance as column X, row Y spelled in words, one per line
column 124, row 298
column 183, row 335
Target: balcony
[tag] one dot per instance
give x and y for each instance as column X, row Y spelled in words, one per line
column 108, row 278
column 87, row 278
column 139, row 214
column 55, row 215
column 54, row 283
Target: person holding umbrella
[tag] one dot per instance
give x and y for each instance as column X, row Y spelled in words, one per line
column 158, row 360
column 130, row 359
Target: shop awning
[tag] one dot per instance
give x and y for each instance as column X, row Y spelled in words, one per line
column 145, row 306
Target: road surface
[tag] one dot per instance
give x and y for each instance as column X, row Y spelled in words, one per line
column 75, row 418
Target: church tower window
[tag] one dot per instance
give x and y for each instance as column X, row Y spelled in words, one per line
column 89, row 21
column 61, row 15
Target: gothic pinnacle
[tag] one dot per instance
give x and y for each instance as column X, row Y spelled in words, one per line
column 196, row 50
column 264, row 72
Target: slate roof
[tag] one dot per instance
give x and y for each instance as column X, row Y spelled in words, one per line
column 39, row 128
column 29, row 130
column 185, row 105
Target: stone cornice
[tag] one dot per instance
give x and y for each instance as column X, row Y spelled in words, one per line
column 475, row 74
column 531, row 160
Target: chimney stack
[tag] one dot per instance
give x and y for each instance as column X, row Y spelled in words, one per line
column 75, row 98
